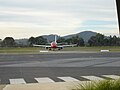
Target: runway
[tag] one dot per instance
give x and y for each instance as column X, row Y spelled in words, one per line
column 31, row 67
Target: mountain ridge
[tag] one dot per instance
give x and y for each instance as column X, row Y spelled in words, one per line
column 84, row 34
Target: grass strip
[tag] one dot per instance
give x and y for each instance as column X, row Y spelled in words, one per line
column 100, row 85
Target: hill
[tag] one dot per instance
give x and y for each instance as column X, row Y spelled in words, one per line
column 50, row 37
column 85, row 35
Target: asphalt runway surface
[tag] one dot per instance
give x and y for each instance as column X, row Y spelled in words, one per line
column 57, row 64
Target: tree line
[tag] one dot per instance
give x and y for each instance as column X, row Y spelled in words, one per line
column 73, row 40
column 101, row 40
column 98, row 40
column 8, row 42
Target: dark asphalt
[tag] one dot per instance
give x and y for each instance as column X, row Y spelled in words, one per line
column 53, row 65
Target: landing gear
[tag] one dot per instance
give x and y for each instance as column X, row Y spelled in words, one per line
column 47, row 48
column 60, row 48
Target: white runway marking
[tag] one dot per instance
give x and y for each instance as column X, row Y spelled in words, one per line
column 44, row 80
column 68, row 79
column 43, row 51
column 112, row 76
column 17, row 81
column 92, row 78
column 104, row 50
column 65, row 79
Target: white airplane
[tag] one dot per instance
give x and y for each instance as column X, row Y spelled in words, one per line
column 54, row 45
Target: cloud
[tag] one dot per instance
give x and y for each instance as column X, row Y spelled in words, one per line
column 54, row 16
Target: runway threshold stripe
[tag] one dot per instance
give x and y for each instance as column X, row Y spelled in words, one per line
column 44, row 80
column 17, row 81
column 112, row 76
column 68, row 79
column 93, row 78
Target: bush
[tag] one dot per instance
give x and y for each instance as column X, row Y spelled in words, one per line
column 102, row 85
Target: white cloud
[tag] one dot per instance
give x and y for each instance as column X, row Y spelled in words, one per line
column 24, row 30
column 52, row 16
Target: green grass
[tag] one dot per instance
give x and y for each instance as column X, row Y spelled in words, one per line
column 37, row 49
column 21, row 50
column 102, row 85
column 111, row 48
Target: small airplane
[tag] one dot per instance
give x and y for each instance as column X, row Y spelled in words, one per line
column 54, row 45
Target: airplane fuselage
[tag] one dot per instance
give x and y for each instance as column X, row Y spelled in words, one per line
column 53, row 45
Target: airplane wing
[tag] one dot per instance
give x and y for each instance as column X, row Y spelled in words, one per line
column 41, row 46
column 72, row 45
column 61, row 46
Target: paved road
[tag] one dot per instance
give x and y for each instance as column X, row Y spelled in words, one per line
column 60, row 64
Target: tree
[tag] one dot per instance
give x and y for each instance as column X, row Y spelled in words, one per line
column 97, row 40
column 75, row 40
column 68, row 41
column 40, row 40
column 8, row 42
column 0, row 42
column 106, row 42
column 81, row 42
column 61, row 40
column 31, row 41
column 114, row 40
column 92, row 41
column 110, row 40
column 37, row 40
column 101, row 40
column 118, row 42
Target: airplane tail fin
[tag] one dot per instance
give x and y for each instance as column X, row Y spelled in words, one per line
column 55, row 39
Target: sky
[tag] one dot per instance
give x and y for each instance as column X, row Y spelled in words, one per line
column 26, row 18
